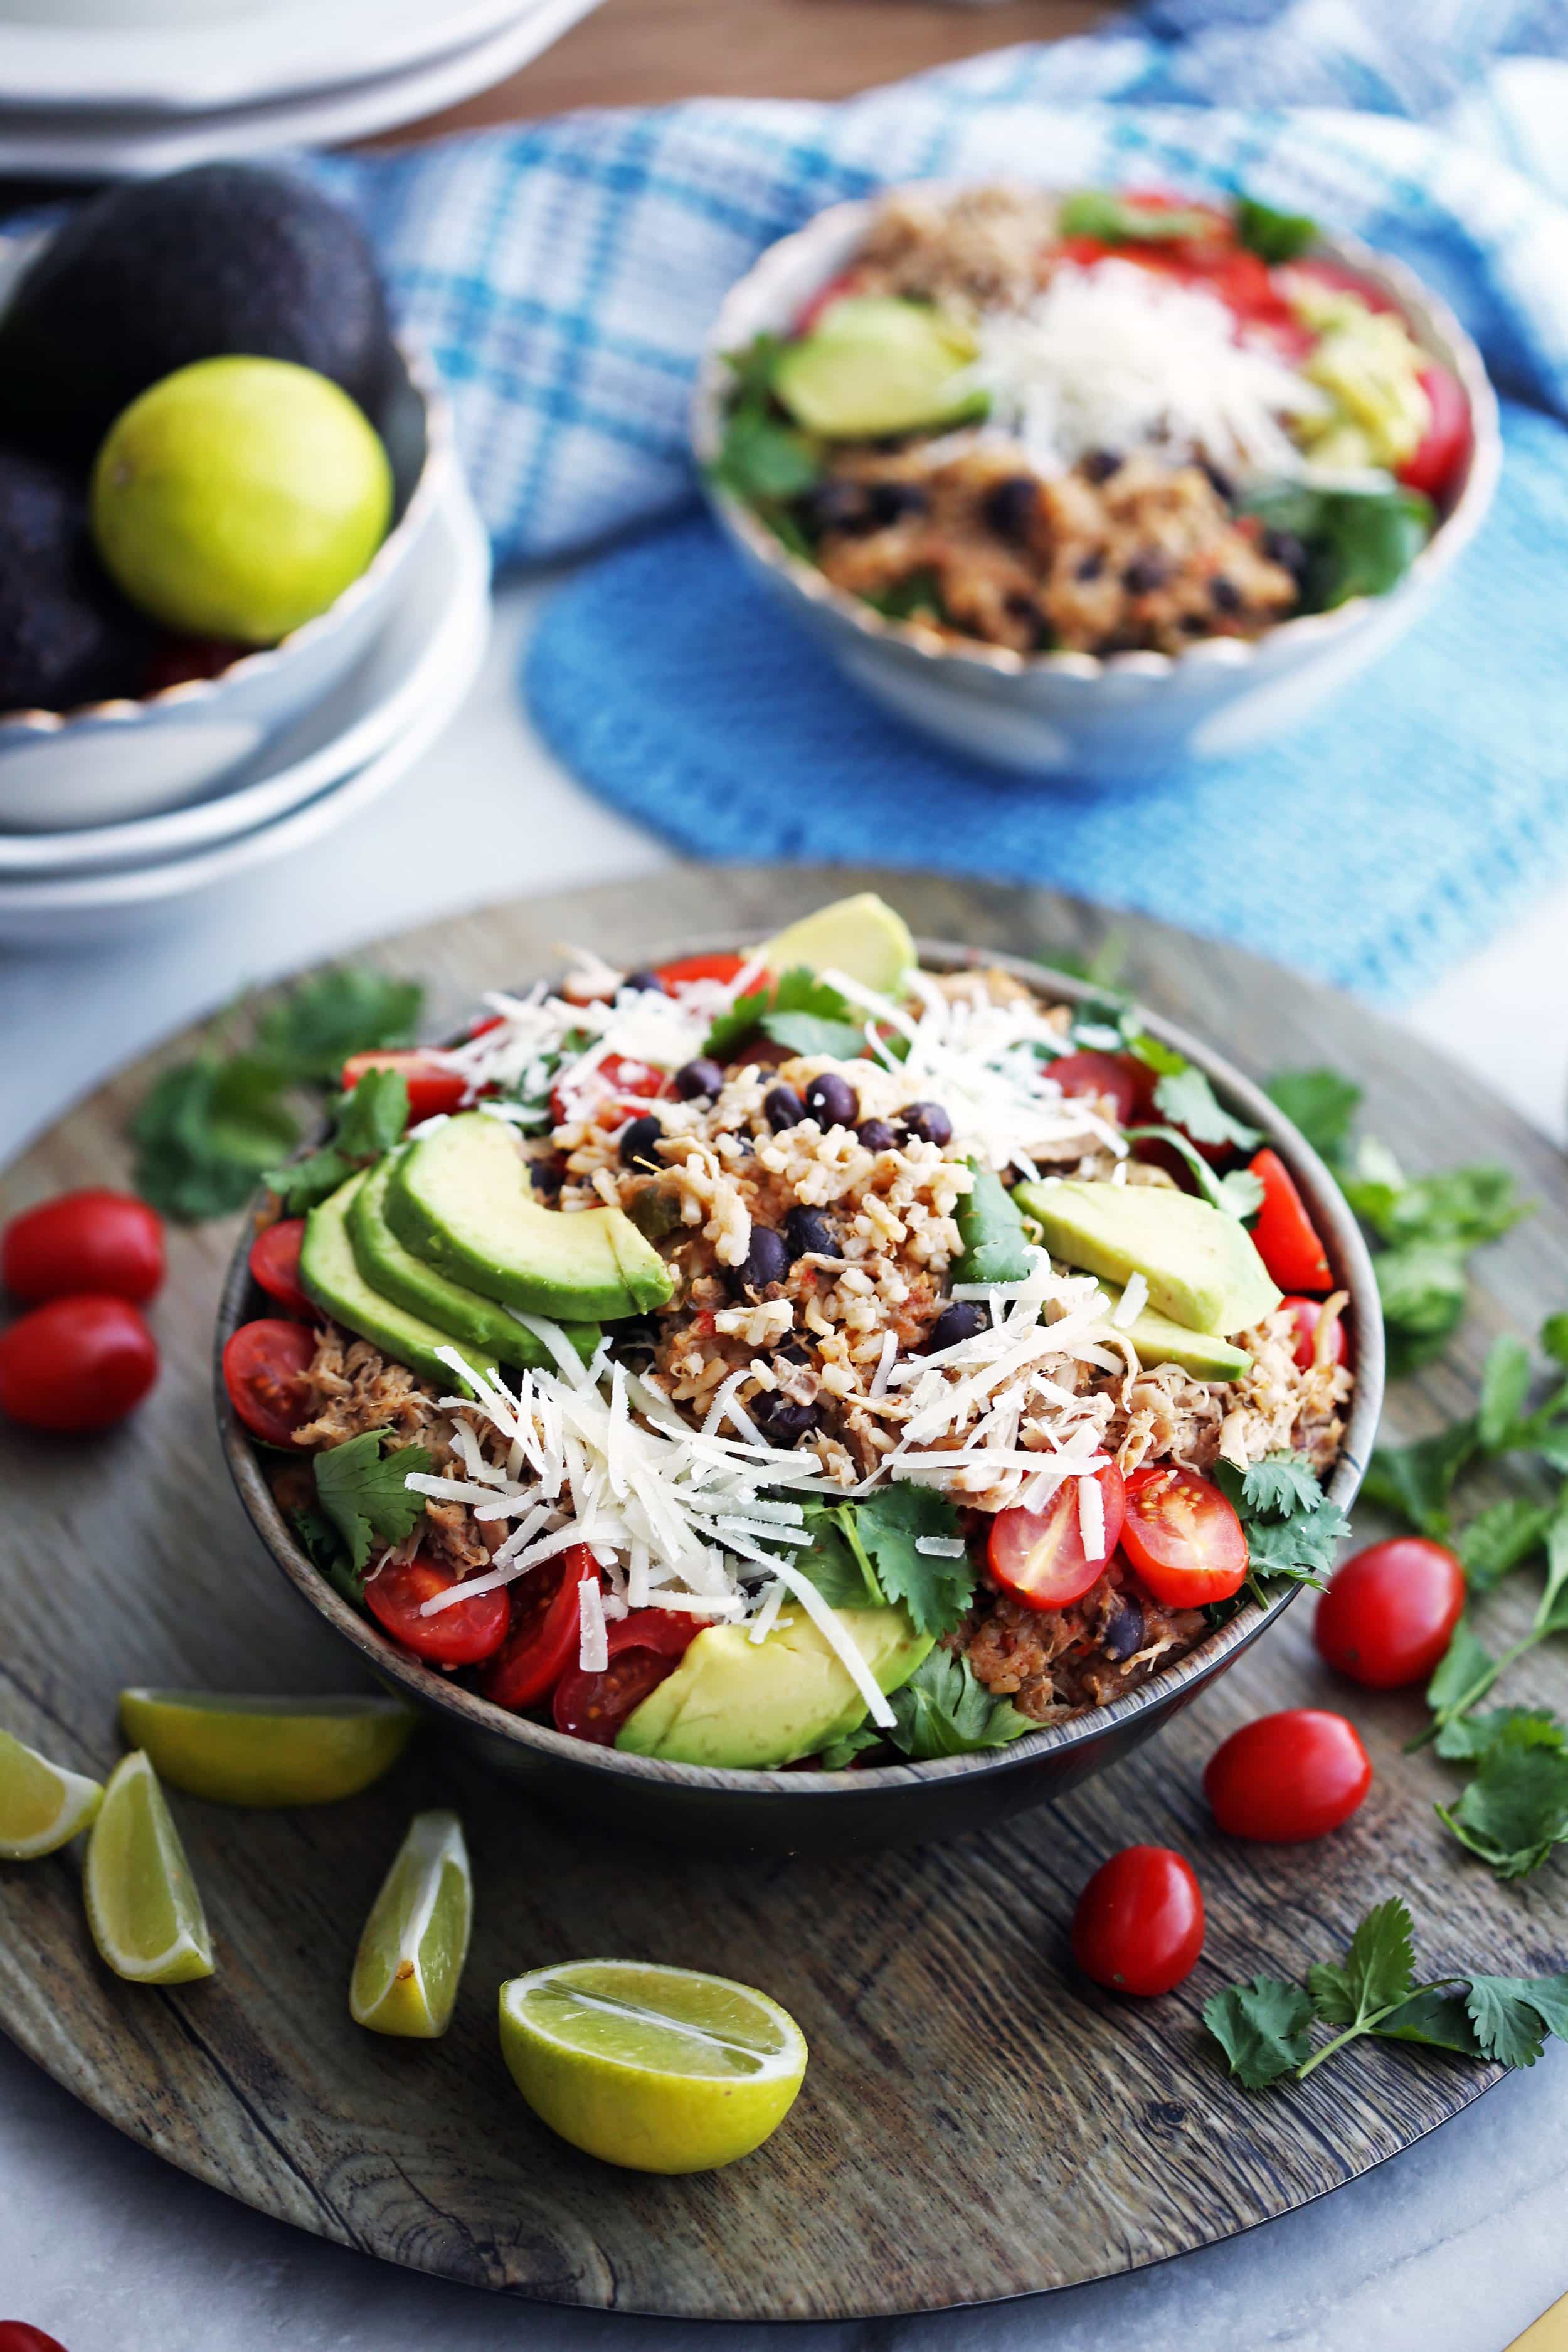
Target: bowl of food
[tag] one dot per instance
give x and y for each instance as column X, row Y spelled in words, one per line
column 1090, row 484
column 215, row 461
column 816, row 1394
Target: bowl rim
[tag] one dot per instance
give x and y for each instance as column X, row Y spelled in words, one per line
column 1171, row 1686
column 1433, row 322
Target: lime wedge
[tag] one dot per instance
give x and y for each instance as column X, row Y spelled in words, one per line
column 863, row 938
column 267, row 1751
column 42, row 1805
column 143, row 1905
column 664, row 2070
column 415, row 1941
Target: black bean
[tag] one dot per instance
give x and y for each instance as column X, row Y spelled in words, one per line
column 956, row 1323
column 637, row 1142
column 547, row 1177
column 1145, row 573
column 780, row 1419
column 1092, row 565
column 1011, row 507
column 784, row 1108
column 836, row 506
column 877, row 1135
column 892, row 501
column 808, row 1229
column 832, row 1100
column 1100, row 464
column 767, row 1261
column 1225, row 594
column 1283, row 547
column 648, row 983
column 1219, row 480
column 702, row 1076
column 929, row 1121
column 1122, row 1633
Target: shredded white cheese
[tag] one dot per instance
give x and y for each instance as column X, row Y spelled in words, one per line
column 1131, row 1303
column 592, row 1648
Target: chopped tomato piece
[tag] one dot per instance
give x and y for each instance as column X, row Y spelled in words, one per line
column 645, row 1650
column 1041, row 1557
column 264, row 1365
column 1307, row 1314
column 1445, row 444
column 541, row 1640
column 275, row 1265
column 1122, row 1079
column 433, row 1086
column 1183, row 1536
column 608, row 1084
column 462, row 1636
column 1285, row 1236
column 1287, row 1777
column 685, row 969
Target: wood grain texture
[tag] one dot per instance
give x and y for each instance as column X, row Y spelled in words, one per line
column 976, row 2122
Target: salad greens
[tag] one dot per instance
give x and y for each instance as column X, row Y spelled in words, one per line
column 364, row 1496
column 864, row 1555
column 1358, row 542
column 368, row 1120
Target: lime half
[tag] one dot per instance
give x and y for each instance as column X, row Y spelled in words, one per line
column 415, row 1941
column 143, row 1905
column 42, row 1806
column 664, row 2070
column 267, row 1751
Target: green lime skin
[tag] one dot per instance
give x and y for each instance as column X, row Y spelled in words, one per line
column 238, row 498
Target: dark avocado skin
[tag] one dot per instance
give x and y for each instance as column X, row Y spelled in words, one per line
column 227, row 257
column 66, row 635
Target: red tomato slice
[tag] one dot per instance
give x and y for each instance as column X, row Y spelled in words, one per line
column 459, row 1637
column 824, row 299
column 1183, row 1536
column 1285, row 1236
column 432, row 1087
column 645, row 1649
column 1288, row 1776
column 610, row 1081
column 542, row 1639
column 263, row 1365
column 685, row 969
column 275, row 1265
column 1039, row 1556
column 1445, row 444
column 1138, row 1924
column 1307, row 1314
column 1389, row 1612
column 76, row 1363
column 92, row 1240
column 1127, row 1083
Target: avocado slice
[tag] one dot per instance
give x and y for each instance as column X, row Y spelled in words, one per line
column 459, row 1199
column 329, row 1273
column 876, row 363
column 862, row 937
column 1201, row 1265
column 397, row 1274
column 1157, row 1341
column 736, row 1702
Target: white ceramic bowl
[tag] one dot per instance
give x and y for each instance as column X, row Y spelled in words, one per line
column 1103, row 718
column 109, row 762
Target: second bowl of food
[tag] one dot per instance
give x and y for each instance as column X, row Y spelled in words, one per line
column 1090, row 484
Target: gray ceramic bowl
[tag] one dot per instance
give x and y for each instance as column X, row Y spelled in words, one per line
column 1109, row 719
column 892, row 1804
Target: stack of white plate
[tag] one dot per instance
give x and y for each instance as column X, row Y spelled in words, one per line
column 99, row 88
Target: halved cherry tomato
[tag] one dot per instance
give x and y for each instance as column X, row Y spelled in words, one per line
column 263, row 1368
column 76, row 1363
column 1125, row 1081
column 275, row 1265
column 609, row 1082
column 15, row 2336
column 1389, row 1612
column 1183, row 1536
column 433, row 1087
column 1287, row 1777
column 1285, row 1236
column 1446, row 443
column 685, row 969
column 1039, row 1557
column 1138, row 1924
column 824, row 299
column 459, row 1637
column 645, row 1650
column 93, row 1240
column 542, row 1640
column 1307, row 1314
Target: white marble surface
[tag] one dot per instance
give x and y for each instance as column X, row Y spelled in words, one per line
column 1453, row 2247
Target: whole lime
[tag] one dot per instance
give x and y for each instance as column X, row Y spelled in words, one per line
column 238, row 498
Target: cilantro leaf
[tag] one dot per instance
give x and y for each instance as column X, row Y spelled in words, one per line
column 320, row 1541
column 1549, row 1614
column 800, row 1011
column 1189, row 1102
column 371, row 1117
column 1291, row 1526
column 991, row 1228
column 1434, row 2018
column 1554, row 1337
column 935, row 1590
column 854, row 1743
column 324, row 1020
column 363, row 1493
column 1505, row 1384
column 1274, row 236
column 945, row 1710
column 1377, row 1972
column 301, row 1184
column 1322, row 1103
column 1237, row 1194
column 1422, row 1290
column 1465, row 1738
column 1464, row 1205
column 836, row 1562
column 1263, row 2028
column 1416, row 1481
column 1497, row 1539
column 808, row 1032
column 1513, row 2015
column 206, row 1132
column 1462, row 1674
column 1281, row 1483
column 1516, row 1809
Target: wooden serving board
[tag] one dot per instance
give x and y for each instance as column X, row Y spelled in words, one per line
column 976, row 2122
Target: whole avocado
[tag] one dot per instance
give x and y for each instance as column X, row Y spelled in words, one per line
column 224, row 259
column 66, row 635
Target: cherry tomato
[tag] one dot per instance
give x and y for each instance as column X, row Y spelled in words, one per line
column 15, row 2336
column 1307, row 1314
column 1125, row 1081
column 432, row 1087
column 105, row 1242
column 1138, row 1924
column 541, row 1640
column 685, row 969
column 645, row 1649
column 1183, row 1536
column 459, row 1637
column 1039, row 1556
column 76, row 1363
column 609, row 1082
column 1287, row 1777
column 275, row 1265
column 1445, row 444
column 1389, row 1612
column 1285, row 1236
column 264, row 1365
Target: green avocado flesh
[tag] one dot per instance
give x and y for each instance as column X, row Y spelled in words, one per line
column 736, row 1702
column 875, row 364
column 1157, row 1341
column 460, row 1200
column 395, row 1273
column 1201, row 1265
column 329, row 1273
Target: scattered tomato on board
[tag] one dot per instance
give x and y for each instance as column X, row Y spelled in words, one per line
column 95, row 1240
column 76, row 1363
column 15, row 2336
column 1389, row 1613
column 1287, row 1777
column 1138, row 1924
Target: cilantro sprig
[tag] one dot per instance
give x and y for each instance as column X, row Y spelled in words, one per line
column 865, row 1555
column 798, row 1010
column 368, row 1120
column 364, row 1497
column 1293, row 1529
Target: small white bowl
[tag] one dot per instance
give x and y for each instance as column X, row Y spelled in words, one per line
column 1103, row 718
column 109, row 762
